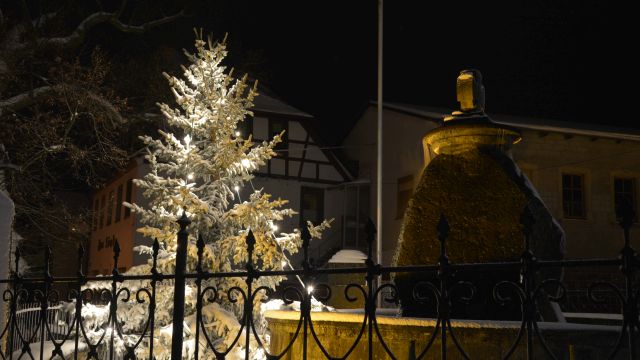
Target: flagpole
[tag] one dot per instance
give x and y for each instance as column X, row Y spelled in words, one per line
column 379, row 142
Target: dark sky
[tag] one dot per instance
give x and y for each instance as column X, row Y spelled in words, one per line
column 564, row 60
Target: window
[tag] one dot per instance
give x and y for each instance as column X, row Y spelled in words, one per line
column 405, row 190
column 96, row 213
column 102, row 204
column 277, row 126
column 312, row 205
column 624, row 190
column 112, row 200
column 245, row 127
column 573, row 196
column 119, row 203
column 127, row 211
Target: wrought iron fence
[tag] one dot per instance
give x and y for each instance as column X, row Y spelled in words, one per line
column 525, row 293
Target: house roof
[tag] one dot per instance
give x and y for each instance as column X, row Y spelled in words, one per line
column 527, row 123
column 266, row 103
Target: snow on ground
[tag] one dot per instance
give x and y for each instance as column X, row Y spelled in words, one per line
column 277, row 304
column 599, row 316
column 348, row 257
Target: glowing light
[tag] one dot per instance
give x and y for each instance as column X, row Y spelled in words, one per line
column 309, row 289
column 190, row 176
column 274, row 227
column 283, row 263
column 246, row 163
column 236, row 188
column 238, row 133
column 187, row 140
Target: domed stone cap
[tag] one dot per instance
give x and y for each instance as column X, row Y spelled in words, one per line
column 469, row 127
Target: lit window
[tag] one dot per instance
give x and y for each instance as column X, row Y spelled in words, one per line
column 573, row 196
column 405, row 190
column 624, row 190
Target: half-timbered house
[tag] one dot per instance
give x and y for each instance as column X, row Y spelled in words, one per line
column 305, row 172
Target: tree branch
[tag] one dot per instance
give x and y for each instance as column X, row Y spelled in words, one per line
column 79, row 34
column 23, row 100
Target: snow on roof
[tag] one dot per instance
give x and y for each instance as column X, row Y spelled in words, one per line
column 348, row 257
column 267, row 103
column 546, row 125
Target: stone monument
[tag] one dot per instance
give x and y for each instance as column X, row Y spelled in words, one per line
column 473, row 181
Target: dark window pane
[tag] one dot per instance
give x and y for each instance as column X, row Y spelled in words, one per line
column 96, row 210
column 119, row 203
column 573, row 196
column 312, row 208
column 112, row 200
column 245, row 128
column 624, row 191
column 127, row 211
column 277, row 126
column 102, row 204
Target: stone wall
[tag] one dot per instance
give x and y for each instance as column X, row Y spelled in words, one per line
column 482, row 340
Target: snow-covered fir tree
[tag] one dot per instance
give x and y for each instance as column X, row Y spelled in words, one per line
column 200, row 168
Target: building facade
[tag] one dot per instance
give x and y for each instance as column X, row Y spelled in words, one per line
column 304, row 172
column 581, row 171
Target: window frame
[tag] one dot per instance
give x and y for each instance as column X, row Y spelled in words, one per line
column 634, row 195
column 128, row 197
column 318, row 191
column 110, row 207
column 119, row 194
column 103, row 202
column 284, row 144
column 245, row 127
column 584, row 189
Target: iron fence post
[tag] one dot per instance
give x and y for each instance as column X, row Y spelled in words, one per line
column 14, row 303
column 200, row 246
column 152, row 301
column 179, row 284
column 444, row 273
column 116, row 277
column 305, row 306
column 629, row 266
column 44, row 304
column 527, row 273
column 372, row 271
column 248, row 303
column 78, row 306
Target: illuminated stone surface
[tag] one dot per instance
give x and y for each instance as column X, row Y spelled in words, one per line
column 481, row 339
column 480, row 190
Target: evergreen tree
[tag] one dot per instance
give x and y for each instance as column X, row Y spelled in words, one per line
column 200, row 170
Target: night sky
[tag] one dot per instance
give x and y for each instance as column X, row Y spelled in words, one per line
column 561, row 60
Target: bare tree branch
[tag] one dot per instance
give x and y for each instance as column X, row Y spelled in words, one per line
column 79, row 34
column 23, row 100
